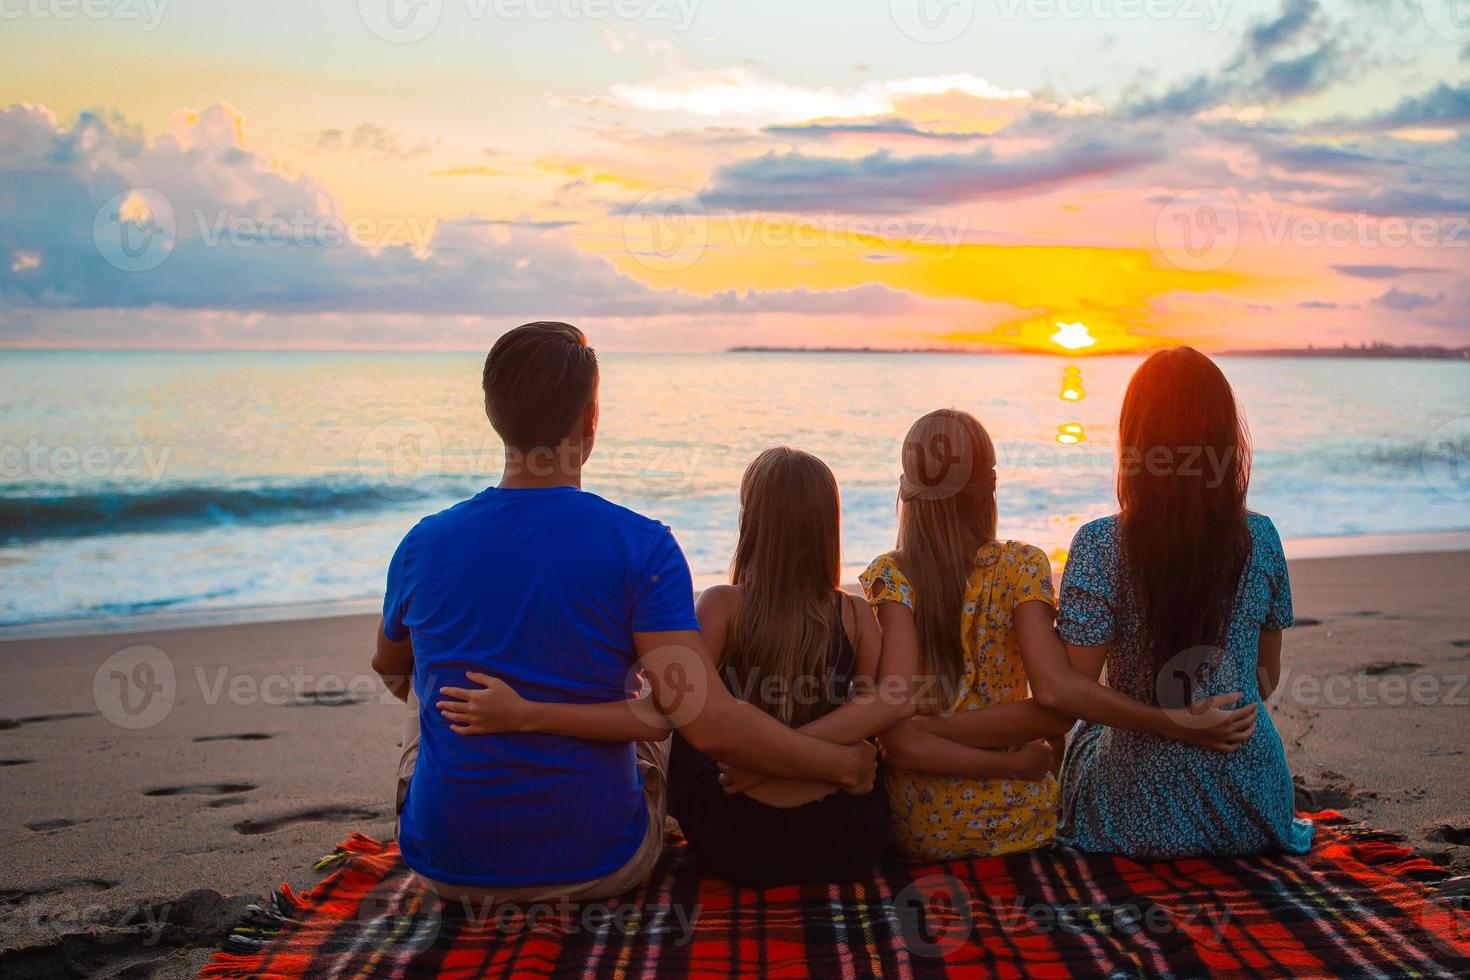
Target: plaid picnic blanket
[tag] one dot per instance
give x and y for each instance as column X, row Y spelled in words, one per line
column 1357, row 906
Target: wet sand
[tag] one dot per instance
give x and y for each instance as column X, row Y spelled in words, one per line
column 136, row 825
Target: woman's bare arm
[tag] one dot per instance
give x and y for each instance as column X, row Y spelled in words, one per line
column 1268, row 663
column 1065, row 679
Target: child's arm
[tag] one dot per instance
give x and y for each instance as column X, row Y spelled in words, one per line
column 887, row 648
column 495, row 707
column 998, row 726
column 887, row 651
column 909, row 747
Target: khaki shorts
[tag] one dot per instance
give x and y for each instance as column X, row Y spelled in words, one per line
column 653, row 764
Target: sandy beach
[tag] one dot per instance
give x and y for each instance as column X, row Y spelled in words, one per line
column 148, row 797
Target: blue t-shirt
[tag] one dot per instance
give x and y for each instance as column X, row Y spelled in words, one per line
column 543, row 588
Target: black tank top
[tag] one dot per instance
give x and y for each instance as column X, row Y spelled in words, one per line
column 815, row 696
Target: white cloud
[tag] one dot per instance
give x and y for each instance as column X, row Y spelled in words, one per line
column 742, row 92
column 58, row 186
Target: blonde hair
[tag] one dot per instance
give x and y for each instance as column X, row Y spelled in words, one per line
column 788, row 565
column 946, row 512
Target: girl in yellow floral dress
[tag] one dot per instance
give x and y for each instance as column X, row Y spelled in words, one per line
column 959, row 606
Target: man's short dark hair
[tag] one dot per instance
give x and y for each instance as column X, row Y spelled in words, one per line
column 539, row 379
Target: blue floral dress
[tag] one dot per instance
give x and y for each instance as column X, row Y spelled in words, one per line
column 1150, row 797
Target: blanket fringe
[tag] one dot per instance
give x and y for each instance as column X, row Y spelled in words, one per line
column 244, row 951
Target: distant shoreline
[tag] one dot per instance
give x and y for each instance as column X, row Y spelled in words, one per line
column 1375, row 351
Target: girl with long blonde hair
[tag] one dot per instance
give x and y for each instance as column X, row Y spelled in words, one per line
column 789, row 640
column 960, row 605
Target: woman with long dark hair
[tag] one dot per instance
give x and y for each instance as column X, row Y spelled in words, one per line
column 1183, row 596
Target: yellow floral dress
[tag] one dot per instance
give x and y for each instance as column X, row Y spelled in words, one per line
column 939, row 817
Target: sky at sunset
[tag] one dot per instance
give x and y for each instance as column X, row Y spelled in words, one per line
column 1090, row 175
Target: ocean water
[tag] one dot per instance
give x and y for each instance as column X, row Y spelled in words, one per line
column 138, row 482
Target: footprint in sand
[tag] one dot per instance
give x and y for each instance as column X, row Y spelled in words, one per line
column 6, row 724
column 1390, row 667
column 325, row 814
column 1451, row 834
column 41, row 826
column 1334, row 793
column 15, row 896
column 242, row 737
column 330, row 699
column 201, row 789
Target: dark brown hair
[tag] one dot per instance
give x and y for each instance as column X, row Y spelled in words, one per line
column 946, row 512
column 1184, row 467
column 539, row 378
column 788, row 563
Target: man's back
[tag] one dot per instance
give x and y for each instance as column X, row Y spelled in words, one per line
column 544, row 589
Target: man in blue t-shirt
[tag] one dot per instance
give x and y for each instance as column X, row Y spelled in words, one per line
column 569, row 599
